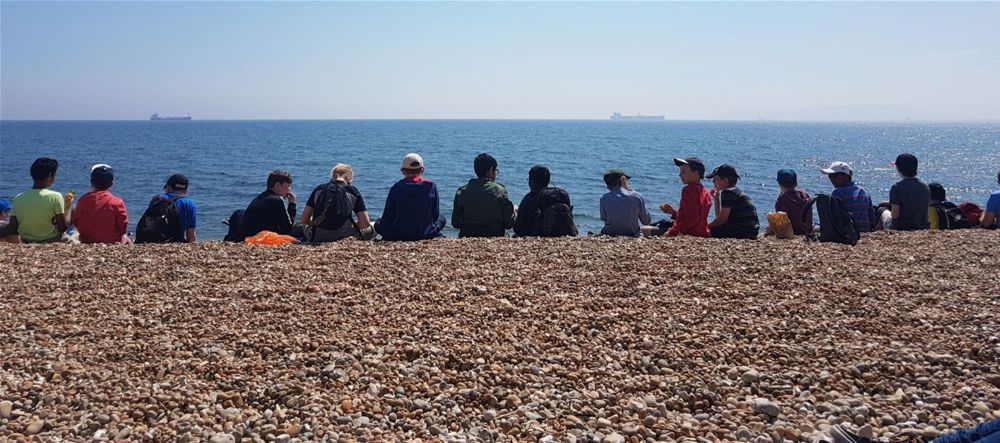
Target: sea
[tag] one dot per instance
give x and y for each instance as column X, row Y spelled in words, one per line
column 227, row 161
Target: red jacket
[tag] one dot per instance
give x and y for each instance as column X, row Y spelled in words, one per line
column 692, row 215
column 100, row 218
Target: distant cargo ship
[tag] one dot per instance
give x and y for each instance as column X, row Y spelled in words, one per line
column 619, row 116
column 156, row 116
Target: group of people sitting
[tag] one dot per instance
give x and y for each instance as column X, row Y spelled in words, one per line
column 482, row 208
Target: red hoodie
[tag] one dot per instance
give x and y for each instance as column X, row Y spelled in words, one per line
column 692, row 215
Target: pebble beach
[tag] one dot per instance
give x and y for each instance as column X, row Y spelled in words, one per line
column 563, row 340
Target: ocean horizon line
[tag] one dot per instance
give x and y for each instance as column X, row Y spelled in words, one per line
column 693, row 120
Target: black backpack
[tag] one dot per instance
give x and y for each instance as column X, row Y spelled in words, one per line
column 160, row 223
column 835, row 222
column 950, row 216
column 235, row 222
column 333, row 207
column 557, row 221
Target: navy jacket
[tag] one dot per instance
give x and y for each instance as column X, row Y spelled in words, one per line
column 411, row 212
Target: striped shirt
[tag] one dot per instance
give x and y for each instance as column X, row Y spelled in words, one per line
column 859, row 203
column 622, row 210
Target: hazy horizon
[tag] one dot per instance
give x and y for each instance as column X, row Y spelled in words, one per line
column 810, row 62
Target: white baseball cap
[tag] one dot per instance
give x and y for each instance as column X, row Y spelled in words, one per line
column 838, row 168
column 412, row 161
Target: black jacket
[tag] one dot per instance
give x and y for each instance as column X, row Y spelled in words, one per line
column 267, row 213
column 529, row 213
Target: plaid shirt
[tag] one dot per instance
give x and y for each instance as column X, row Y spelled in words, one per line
column 859, row 203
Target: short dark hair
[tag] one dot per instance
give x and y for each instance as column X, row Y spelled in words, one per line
column 613, row 180
column 102, row 178
column 539, row 176
column 278, row 176
column 937, row 191
column 906, row 164
column 483, row 163
column 43, row 168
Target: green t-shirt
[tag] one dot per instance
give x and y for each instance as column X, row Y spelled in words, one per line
column 34, row 210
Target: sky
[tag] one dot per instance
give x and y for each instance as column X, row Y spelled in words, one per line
column 565, row 60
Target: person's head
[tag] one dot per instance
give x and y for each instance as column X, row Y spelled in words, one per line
column 101, row 177
column 43, row 171
column 692, row 169
column 615, row 178
column 279, row 182
column 342, row 172
column 787, row 179
column 724, row 176
column 485, row 166
column 937, row 192
column 176, row 184
column 906, row 165
column 5, row 208
column 538, row 177
column 839, row 173
column 413, row 165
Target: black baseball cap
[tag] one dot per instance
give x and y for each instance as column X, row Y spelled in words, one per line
column 725, row 171
column 178, row 182
column 694, row 162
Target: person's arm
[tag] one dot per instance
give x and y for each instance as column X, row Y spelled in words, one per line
column 604, row 212
column 190, row 235
column 388, row 217
column 721, row 209
column 121, row 221
column 11, row 228
column 457, row 211
column 988, row 221
column 684, row 218
column 363, row 220
column 64, row 213
column 507, row 211
column 894, row 202
column 283, row 220
column 522, row 222
column 721, row 217
column 644, row 217
column 291, row 209
column 894, row 212
column 191, row 220
column 307, row 214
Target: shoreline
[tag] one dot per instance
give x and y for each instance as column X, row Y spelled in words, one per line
column 503, row 339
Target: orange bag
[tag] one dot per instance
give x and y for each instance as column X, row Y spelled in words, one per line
column 781, row 226
column 269, row 238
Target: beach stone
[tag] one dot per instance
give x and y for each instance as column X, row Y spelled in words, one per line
column 886, row 420
column 866, row 431
column 34, row 427
column 614, row 437
column 5, row 408
column 220, row 437
column 982, row 407
column 766, row 407
column 749, row 377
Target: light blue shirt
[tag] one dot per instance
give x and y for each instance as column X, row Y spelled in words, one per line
column 622, row 210
column 993, row 206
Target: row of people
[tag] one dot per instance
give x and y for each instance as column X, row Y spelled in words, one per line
column 482, row 207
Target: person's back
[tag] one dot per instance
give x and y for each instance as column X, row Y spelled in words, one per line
column 171, row 216
column 412, row 210
column 482, row 207
column 40, row 214
column 735, row 213
column 909, row 197
column 691, row 216
column 267, row 211
column 991, row 216
column 622, row 209
column 100, row 216
column 327, row 215
column 855, row 198
column 532, row 210
column 792, row 202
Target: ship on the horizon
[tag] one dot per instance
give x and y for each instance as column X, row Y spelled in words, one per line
column 619, row 116
column 156, row 116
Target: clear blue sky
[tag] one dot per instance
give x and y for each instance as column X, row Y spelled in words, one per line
column 500, row 60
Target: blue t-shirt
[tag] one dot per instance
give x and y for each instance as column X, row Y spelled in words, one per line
column 993, row 206
column 186, row 211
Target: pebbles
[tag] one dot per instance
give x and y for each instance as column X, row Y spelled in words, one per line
column 585, row 339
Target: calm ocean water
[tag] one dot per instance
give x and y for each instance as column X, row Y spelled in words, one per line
column 228, row 161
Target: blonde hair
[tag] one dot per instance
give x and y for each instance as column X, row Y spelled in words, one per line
column 342, row 171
